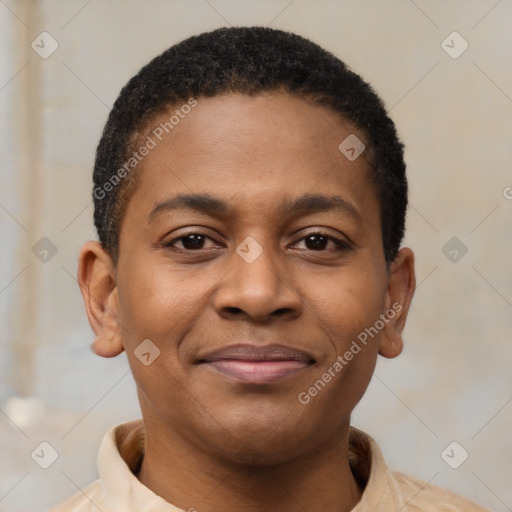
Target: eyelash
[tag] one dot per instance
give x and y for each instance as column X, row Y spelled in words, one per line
column 341, row 245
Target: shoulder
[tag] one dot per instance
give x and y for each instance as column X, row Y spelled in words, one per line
column 386, row 490
column 90, row 499
column 423, row 496
column 117, row 488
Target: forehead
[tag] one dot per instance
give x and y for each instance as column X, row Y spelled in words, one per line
column 251, row 150
column 266, row 123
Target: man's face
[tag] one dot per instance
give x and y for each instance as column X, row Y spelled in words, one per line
column 213, row 287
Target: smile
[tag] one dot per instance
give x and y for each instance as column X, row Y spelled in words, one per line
column 258, row 365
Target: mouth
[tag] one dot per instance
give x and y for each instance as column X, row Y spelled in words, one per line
column 258, row 365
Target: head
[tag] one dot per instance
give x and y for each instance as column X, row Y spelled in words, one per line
column 249, row 192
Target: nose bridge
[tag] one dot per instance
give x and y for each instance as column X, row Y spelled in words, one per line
column 256, row 283
column 257, row 265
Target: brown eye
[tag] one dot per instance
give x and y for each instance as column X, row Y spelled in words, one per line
column 319, row 242
column 316, row 242
column 190, row 242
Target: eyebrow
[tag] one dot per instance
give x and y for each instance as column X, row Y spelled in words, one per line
column 301, row 206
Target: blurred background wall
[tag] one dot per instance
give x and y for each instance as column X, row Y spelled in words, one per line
column 444, row 72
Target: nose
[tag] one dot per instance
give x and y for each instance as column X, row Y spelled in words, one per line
column 258, row 290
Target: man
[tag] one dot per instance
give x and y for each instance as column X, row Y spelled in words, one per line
column 250, row 199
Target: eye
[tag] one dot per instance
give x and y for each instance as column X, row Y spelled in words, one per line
column 190, row 241
column 315, row 241
column 318, row 241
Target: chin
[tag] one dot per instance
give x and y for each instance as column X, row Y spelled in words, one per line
column 260, row 454
column 263, row 444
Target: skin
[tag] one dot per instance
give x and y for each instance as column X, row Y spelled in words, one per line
column 214, row 442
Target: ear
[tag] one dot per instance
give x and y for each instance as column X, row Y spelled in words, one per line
column 96, row 278
column 401, row 286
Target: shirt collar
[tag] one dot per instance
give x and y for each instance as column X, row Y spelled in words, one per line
column 122, row 450
column 381, row 492
column 119, row 458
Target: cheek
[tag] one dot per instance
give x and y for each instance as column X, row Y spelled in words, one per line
column 348, row 302
column 159, row 302
column 146, row 289
column 358, row 300
column 154, row 307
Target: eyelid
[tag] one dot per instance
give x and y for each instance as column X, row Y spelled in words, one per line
column 342, row 243
column 180, row 236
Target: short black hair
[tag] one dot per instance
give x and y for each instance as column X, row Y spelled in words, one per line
column 248, row 60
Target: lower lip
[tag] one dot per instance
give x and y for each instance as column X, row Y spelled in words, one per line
column 258, row 372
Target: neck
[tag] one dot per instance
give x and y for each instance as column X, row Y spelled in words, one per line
column 193, row 479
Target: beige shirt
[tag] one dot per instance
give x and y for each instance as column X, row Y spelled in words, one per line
column 119, row 490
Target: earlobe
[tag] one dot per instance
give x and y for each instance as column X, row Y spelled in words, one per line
column 107, row 347
column 391, row 344
column 401, row 286
column 99, row 290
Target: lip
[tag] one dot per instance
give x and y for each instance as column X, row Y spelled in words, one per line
column 258, row 364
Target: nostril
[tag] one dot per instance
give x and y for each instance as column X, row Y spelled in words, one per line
column 233, row 310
